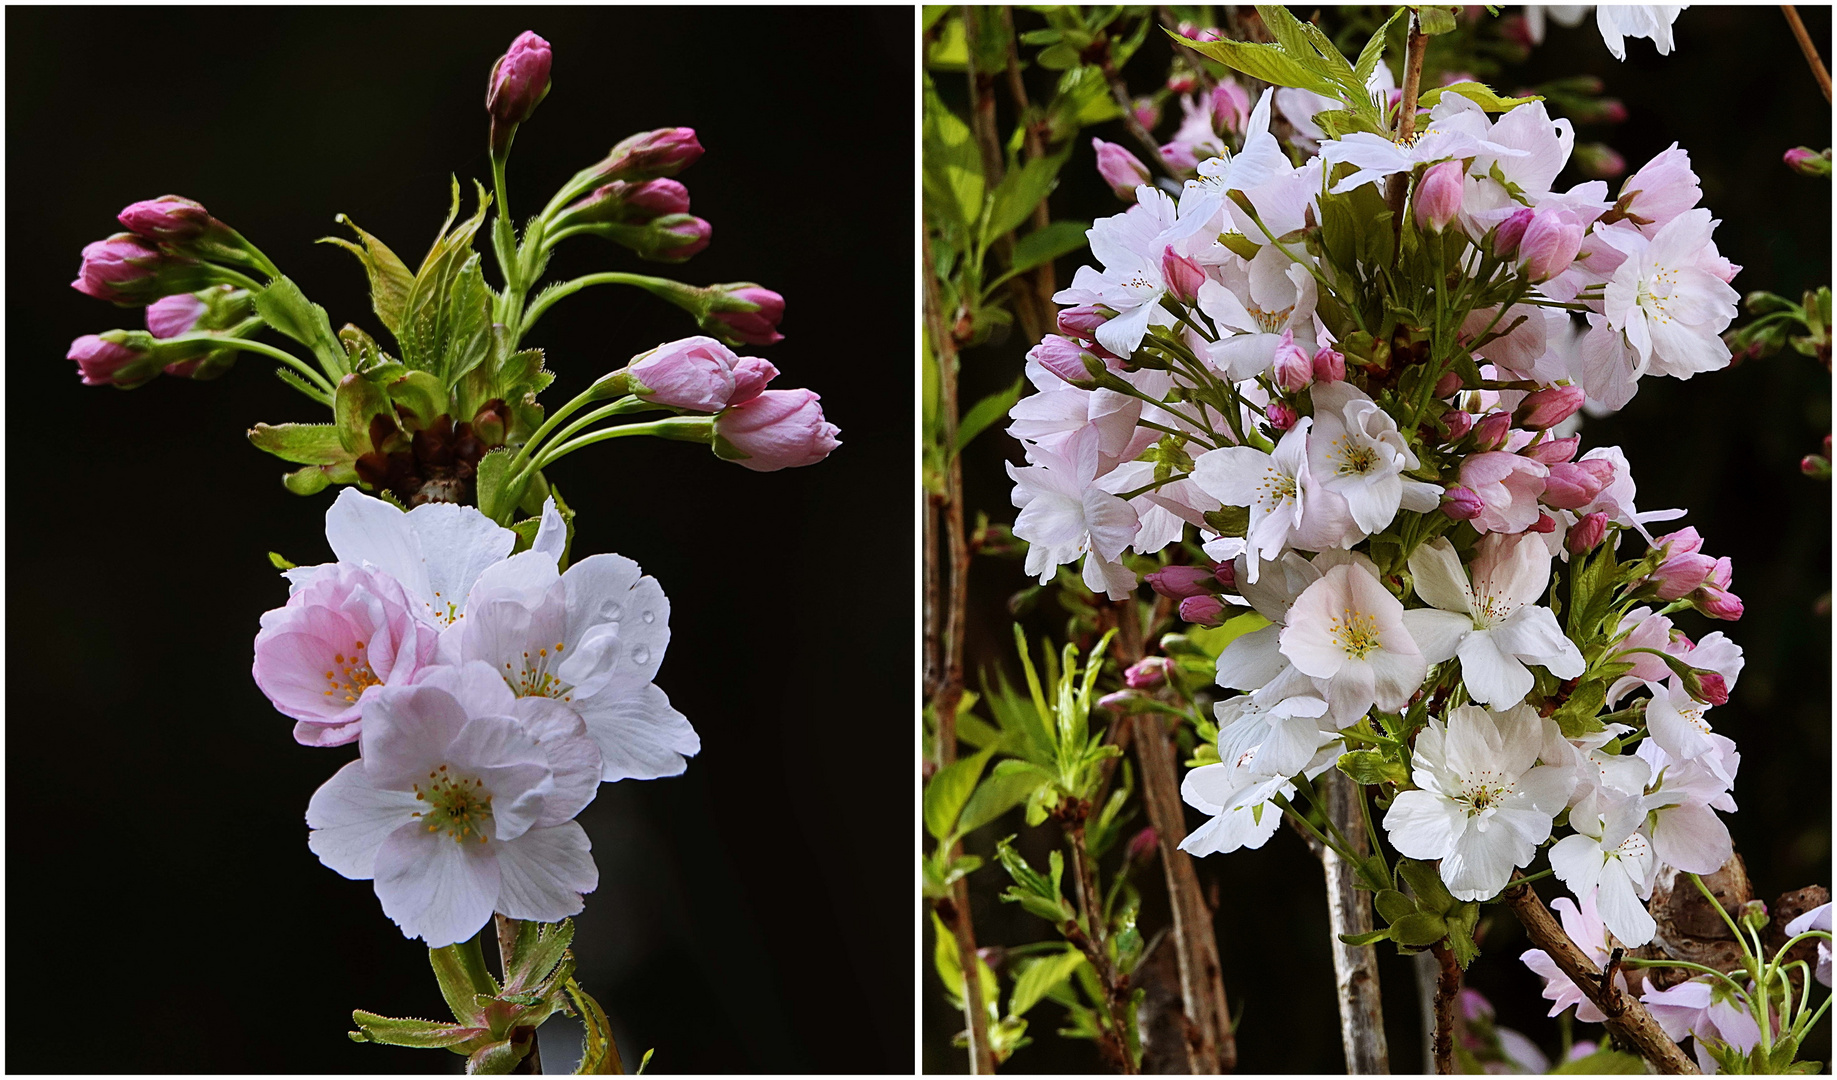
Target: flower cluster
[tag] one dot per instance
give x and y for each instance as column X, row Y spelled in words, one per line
column 489, row 693
column 1358, row 377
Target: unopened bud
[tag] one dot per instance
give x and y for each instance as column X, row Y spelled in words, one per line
column 1143, row 846
column 1181, row 582
column 1816, row 466
column 664, row 152
column 1754, row 915
column 1182, row 82
column 1550, row 243
column 1294, row 368
column 169, row 218
column 1438, row 196
column 112, row 360
column 1203, row 610
column 1147, row 113
column 1329, row 365
column 1083, row 321
column 1226, row 575
column 1491, row 430
column 519, row 82
column 1458, row 422
column 1447, row 385
column 742, row 312
column 1281, row 416
column 1184, row 275
column 1543, row 409
column 1147, row 673
column 1230, row 106
column 1571, row 486
column 491, row 424
column 1808, row 162
column 1556, row 451
column 1063, row 357
column 1462, row 503
column 1120, row 169
column 1511, row 232
column 1599, row 161
column 1712, row 688
column 1544, row 524
column 1121, row 702
column 1586, row 534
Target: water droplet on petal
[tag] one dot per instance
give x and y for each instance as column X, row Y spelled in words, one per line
column 650, row 616
column 641, row 655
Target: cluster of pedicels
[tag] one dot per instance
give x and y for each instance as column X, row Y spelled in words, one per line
column 489, row 686
column 1358, row 378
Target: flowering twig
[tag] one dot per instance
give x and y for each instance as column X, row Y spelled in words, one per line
column 1120, row 91
column 1355, row 967
column 1416, row 46
column 1810, row 50
column 1115, row 984
column 1626, row 1017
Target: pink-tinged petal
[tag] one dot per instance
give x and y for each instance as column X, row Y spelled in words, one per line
column 573, row 757
column 612, row 590
column 476, row 685
column 640, row 736
column 510, row 766
column 436, row 888
column 1436, row 633
column 406, row 729
column 456, row 544
column 1439, row 577
column 1499, row 680
column 543, row 873
column 350, row 819
column 1422, row 825
column 1692, row 838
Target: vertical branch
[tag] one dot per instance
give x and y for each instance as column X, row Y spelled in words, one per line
column 1810, row 50
column 1447, row 988
column 1115, row 985
column 1427, row 971
column 1040, row 277
column 1027, row 307
column 531, row 1064
column 1416, row 46
column 1355, row 968
column 1211, row 1046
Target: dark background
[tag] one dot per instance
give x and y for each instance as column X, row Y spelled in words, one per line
column 751, row 915
column 1735, row 93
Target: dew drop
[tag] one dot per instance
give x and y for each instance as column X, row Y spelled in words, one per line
column 650, row 617
column 641, row 655
column 609, row 611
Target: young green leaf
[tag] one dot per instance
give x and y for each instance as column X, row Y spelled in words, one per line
column 390, row 280
column 1042, row 245
column 985, row 412
column 949, row 789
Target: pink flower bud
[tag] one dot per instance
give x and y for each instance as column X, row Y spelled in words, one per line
column 519, row 82
column 1438, row 196
column 1083, row 321
column 1808, row 162
column 672, row 238
column 743, row 311
column 1543, row 409
column 1570, row 486
column 1714, row 598
column 1120, row 702
column 103, row 363
column 1143, row 845
column 1462, row 503
column 1147, row 113
column 1459, row 422
column 1599, row 161
column 1816, row 466
column 171, row 218
column 129, row 270
column 1510, row 232
column 694, row 373
column 1491, row 430
column 1180, row 582
column 174, row 315
column 1146, row 673
column 1203, row 610
column 1329, row 365
column 1550, row 243
column 655, row 198
column 1179, row 157
column 1184, row 275
column 776, row 430
column 1586, row 534
column 1714, row 689
column 1226, row 575
column 1446, row 386
column 1063, row 357
column 664, row 152
column 1182, row 82
column 1294, row 368
column 1281, row 416
column 1556, row 451
column 751, row 375
column 1230, row 105
column 1544, row 524
column 1684, row 568
column 1120, row 169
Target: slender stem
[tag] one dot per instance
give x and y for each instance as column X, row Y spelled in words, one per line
column 241, row 281
column 1810, row 50
column 621, row 407
column 507, row 928
column 1717, row 904
column 655, row 427
column 1447, row 988
column 531, row 444
column 503, row 194
column 1114, row 984
column 1044, row 284
column 282, row 355
column 546, row 299
column 1120, row 91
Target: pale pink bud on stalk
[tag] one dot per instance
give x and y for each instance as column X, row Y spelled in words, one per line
column 1462, row 503
column 1210, row 33
column 130, row 270
column 1083, row 321
column 1120, row 702
column 1511, row 232
column 655, row 198
column 663, row 152
column 172, row 219
column 1147, row 113
column 744, row 312
column 1329, row 365
column 672, row 238
column 1550, row 243
column 105, row 363
column 1599, row 161
column 751, row 375
column 1459, row 422
column 1230, row 105
column 1557, row 451
column 1203, row 610
column 1147, row 673
column 519, row 82
column 1282, row 416
column 171, row 316
column 1438, row 196
column 1063, row 357
column 1544, row 524
column 779, row 429
column 1586, row 534
column 1294, row 368
column 1714, row 598
column 1571, row 486
column 1180, row 582
column 1446, row 386
column 1816, row 466
column 1491, row 430
column 1184, row 275
column 1808, row 162
column 694, row 373
column 1143, row 845
column 1544, row 409
column 1179, row 157
column 1120, row 169
column 1684, row 568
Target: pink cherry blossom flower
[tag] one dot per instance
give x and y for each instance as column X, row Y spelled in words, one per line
column 1818, row 918
column 1508, row 486
column 1585, row 928
column 1662, row 189
column 778, row 429
column 1348, row 630
column 1703, row 1012
column 463, row 804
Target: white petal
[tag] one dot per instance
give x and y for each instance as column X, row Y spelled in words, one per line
column 1577, row 861
column 407, row 730
column 639, row 735
column 1532, row 635
column 610, row 589
column 456, row 544
column 1621, row 910
column 1499, row 680
column 1481, row 863
column 1437, row 633
column 552, row 533
column 1249, row 662
column 1439, row 578
column 350, row 820
column 544, row 872
column 1423, row 825
column 573, row 757
column 436, row 888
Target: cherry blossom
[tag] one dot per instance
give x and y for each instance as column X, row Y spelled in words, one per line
column 1348, row 630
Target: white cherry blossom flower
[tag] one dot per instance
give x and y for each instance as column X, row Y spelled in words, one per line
column 1618, row 22
column 1272, row 486
column 1129, row 245
column 1685, row 795
column 1457, row 128
column 1065, row 515
column 1261, row 750
column 1348, row 631
column 1357, row 452
column 1609, row 851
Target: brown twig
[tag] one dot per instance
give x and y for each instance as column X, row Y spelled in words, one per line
column 1417, row 46
column 1447, row 988
column 1115, row 984
column 1212, row 1046
column 1355, row 967
column 1120, row 91
column 1626, row 1017
column 1811, row 51
column 989, row 143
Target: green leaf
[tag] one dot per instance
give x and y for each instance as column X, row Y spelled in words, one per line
column 1393, row 905
column 1373, row 52
column 446, row 316
column 1040, row 978
column 1020, row 191
column 599, row 1053
column 643, row 1061
column 495, row 499
column 1362, row 940
column 984, row 413
column 995, row 796
column 390, row 280
column 1213, row 639
column 1426, row 882
column 1577, row 717
column 1372, row 767
column 305, row 444
column 460, row 970
column 281, row 562
column 308, row 481
column 1436, row 19
column 1482, row 96
column 538, row 952
column 422, row 1034
column 1419, row 929
column 949, row 789
column 1041, row 245
column 952, row 169
column 283, row 306
column 1602, row 1062
column 1270, row 63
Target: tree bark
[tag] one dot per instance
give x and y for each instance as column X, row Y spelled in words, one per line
column 1447, row 988
column 1355, row 968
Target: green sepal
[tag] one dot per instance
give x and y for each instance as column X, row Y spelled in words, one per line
column 421, row 1034
column 537, row 952
column 496, row 499
column 357, row 404
column 1372, row 767
column 308, row 481
column 304, row 444
column 283, row 306
column 1426, row 882
column 462, row 975
column 1579, row 715
column 1362, row 940
column 1419, row 929
column 1393, row 905
column 599, row 1054
column 496, row 1059
column 281, row 562
column 1229, row 520
column 419, row 400
column 1461, row 923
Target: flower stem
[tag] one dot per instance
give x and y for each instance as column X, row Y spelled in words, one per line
column 1810, row 50
column 282, row 355
column 654, row 427
column 548, row 297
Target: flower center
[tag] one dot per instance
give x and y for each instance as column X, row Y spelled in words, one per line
column 457, row 805
column 351, row 676
column 535, row 679
column 1353, row 460
column 1633, row 847
column 1485, row 792
column 1356, row 633
column 1271, row 322
column 1276, row 488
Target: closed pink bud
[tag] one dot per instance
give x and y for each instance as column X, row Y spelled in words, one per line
column 1438, row 196
column 1226, row 575
column 103, row 363
column 1179, row 157
column 1808, row 162
column 1511, row 232
column 1230, row 105
column 1183, row 275
column 751, row 375
column 1143, row 845
column 1586, row 535
column 1550, row 243
column 743, row 311
column 1556, row 451
column 126, row 269
column 1714, row 598
column 1599, row 161
column 169, row 218
column 1462, row 503
column 1491, row 430
column 1120, row 702
column 1570, row 487
column 1180, row 582
column 658, row 197
column 1147, row 673
column 1120, row 169
column 174, row 315
column 1294, row 367
column 1684, row 568
column 1203, row 610
column 1329, row 365
column 1182, row 82
column 1713, row 687
column 779, row 429
column 1543, row 409
column 1447, row 385
column 1459, row 422
column 694, row 373
column 519, row 82
column 1083, row 321
column 1281, row 416
column 1544, row 524
column 664, row 152
column 1063, row 357
column 673, row 238
column 1147, row 113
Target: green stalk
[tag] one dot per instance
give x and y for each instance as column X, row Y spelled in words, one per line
column 663, row 287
